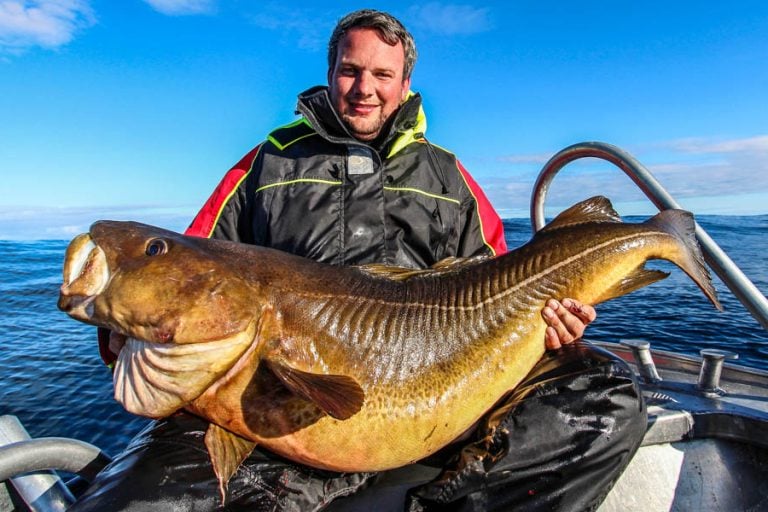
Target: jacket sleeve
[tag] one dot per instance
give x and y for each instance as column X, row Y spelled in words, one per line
column 482, row 230
column 222, row 214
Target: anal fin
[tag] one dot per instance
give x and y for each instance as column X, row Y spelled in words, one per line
column 339, row 396
column 227, row 452
column 639, row 278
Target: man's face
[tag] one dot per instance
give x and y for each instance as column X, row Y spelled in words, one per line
column 366, row 84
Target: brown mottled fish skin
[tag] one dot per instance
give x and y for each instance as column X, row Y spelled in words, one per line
column 347, row 368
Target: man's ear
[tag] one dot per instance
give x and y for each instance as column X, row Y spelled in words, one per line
column 406, row 88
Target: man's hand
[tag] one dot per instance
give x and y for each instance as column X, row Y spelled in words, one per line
column 566, row 321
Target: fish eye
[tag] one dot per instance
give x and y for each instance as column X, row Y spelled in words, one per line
column 156, row 247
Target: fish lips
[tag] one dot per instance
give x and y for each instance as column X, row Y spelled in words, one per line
column 86, row 274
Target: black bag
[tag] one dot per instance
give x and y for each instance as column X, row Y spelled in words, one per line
column 559, row 441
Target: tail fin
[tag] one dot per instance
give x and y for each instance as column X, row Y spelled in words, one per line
column 680, row 225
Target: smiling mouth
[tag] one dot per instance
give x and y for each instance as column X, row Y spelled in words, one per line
column 362, row 109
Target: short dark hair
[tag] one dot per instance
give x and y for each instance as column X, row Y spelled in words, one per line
column 389, row 27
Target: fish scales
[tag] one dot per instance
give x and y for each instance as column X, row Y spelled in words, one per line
column 347, row 369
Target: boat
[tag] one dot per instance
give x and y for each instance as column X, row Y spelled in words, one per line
column 705, row 446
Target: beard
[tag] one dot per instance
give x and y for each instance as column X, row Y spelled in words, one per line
column 364, row 128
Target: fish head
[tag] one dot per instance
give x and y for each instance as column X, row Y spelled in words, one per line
column 181, row 302
column 153, row 284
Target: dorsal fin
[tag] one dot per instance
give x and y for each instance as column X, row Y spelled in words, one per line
column 402, row 273
column 453, row 262
column 594, row 209
column 339, row 396
column 391, row 272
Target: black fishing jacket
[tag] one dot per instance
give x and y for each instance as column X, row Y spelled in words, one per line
column 313, row 190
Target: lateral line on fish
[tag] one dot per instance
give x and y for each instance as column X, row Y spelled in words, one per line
column 508, row 291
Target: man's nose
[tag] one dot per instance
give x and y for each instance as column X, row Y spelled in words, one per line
column 364, row 84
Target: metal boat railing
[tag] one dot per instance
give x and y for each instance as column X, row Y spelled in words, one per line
column 26, row 464
column 723, row 266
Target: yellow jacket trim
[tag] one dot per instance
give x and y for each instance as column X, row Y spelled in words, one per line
column 301, row 180
column 417, row 191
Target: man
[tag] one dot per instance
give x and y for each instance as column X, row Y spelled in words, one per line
column 353, row 181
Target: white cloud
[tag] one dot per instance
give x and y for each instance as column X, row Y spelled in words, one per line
column 51, row 223
column 308, row 29
column 182, row 7
column 713, row 167
column 540, row 159
column 45, row 23
column 710, row 174
column 757, row 144
column 450, row 19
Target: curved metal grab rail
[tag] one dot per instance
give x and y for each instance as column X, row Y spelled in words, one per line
column 59, row 453
column 25, row 464
column 723, row 266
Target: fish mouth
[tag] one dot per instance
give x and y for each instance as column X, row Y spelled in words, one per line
column 86, row 274
column 156, row 379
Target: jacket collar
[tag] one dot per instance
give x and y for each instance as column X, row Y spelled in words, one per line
column 409, row 122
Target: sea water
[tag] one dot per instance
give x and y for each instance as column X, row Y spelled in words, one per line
column 52, row 378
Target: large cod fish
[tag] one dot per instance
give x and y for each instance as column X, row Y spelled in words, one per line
column 361, row 368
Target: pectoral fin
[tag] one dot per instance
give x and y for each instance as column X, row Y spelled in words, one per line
column 339, row 396
column 227, row 452
column 634, row 281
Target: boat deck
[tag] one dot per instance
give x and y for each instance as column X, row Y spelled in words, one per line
column 705, row 450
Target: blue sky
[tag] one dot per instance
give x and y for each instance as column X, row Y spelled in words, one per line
column 135, row 109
